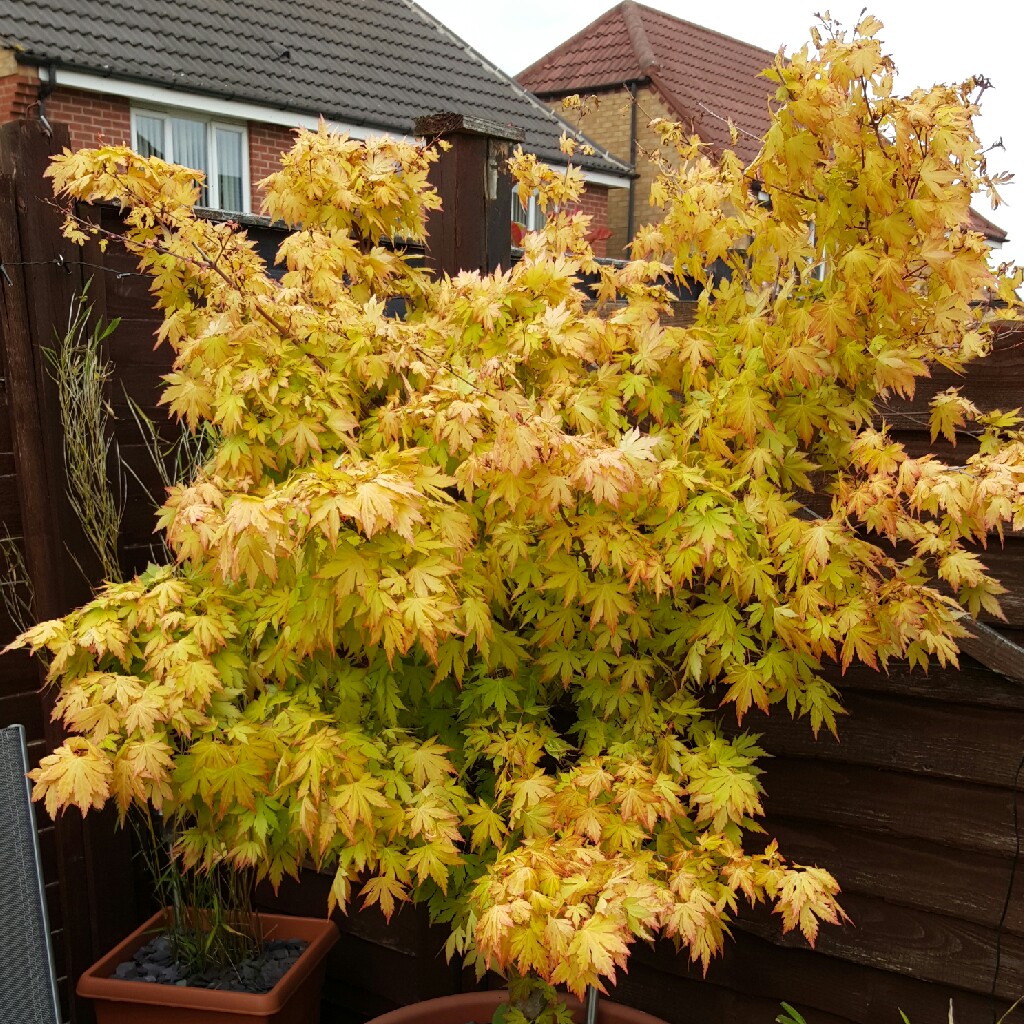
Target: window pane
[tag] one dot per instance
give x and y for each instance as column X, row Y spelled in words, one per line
column 149, row 135
column 537, row 216
column 228, row 146
column 188, row 148
column 518, row 213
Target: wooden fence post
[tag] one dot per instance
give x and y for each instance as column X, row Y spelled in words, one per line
column 473, row 228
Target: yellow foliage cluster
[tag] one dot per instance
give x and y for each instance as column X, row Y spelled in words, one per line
column 474, row 559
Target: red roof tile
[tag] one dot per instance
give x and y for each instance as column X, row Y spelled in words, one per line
column 993, row 232
column 705, row 77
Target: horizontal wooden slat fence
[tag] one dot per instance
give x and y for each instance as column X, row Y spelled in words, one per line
column 913, row 808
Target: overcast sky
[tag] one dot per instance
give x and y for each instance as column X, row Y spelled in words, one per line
column 940, row 41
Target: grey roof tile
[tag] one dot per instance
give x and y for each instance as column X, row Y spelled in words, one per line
column 381, row 63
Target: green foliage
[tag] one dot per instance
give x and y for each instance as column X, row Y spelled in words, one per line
column 790, row 1015
column 456, row 592
column 531, row 1002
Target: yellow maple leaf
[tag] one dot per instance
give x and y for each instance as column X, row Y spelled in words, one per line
column 76, row 774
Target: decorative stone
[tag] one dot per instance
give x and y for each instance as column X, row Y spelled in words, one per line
column 154, row 963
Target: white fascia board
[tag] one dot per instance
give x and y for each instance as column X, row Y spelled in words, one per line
column 212, row 105
column 597, row 177
column 235, row 110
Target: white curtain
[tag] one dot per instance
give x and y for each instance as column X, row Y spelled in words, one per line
column 228, row 146
column 188, row 148
column 149, row 135
column 519, row 214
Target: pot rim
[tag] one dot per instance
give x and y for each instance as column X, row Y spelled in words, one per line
column 453, row 1010
column 96, row 983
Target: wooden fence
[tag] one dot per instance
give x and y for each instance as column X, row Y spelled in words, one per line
column 89, row 873
column 914, row 808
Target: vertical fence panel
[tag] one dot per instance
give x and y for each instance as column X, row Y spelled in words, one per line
column 43, row 274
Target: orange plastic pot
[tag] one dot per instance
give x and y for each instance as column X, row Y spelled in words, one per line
column 295, row 999
column 479, row 1007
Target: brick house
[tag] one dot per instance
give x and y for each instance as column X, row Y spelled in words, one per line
column 639, row 64
column 220, row 86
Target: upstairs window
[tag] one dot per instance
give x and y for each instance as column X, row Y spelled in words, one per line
column 218, row 150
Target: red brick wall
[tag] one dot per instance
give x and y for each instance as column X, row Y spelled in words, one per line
column 92, row 118
column 594, row 203
column 266, row 144
column 19, row 94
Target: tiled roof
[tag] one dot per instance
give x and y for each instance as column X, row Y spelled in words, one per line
column 380, row 63
column 993, row 232
column 705, row 77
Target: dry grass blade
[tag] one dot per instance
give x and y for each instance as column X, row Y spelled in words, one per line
column 16, row 592
column 81, row 375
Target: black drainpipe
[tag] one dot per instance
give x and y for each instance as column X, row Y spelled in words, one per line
column 45, row 89
column 632, row 160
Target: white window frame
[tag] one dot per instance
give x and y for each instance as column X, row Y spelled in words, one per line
column 536, row 218
column 212, row 124
column 817, row 272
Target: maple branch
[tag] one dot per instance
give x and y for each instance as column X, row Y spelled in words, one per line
column 210, row 263
column 203, row 262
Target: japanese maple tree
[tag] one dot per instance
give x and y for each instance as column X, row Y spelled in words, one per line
column 475, row 561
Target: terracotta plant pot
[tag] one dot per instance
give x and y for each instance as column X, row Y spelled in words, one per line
column 480, row 1006
column 295, row 999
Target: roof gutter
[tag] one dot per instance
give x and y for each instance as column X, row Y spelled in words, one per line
column 597, row 177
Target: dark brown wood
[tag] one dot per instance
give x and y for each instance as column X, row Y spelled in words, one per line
column 994, row 651
column 473, row 228
column 695, row 1000
column 970, row 888
column 441, row 125
column 818, row 983
column 982, row 745
column 15, row 668
column 498, row 204
column 932, row 947
column 957, row 815
column 456, row 233
column 10, row 510
column 26, row 420
column 25, row 708
column 95, row 905
column 40, row 543
column 54, row 281
column 377, row 965
column 971, row 684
